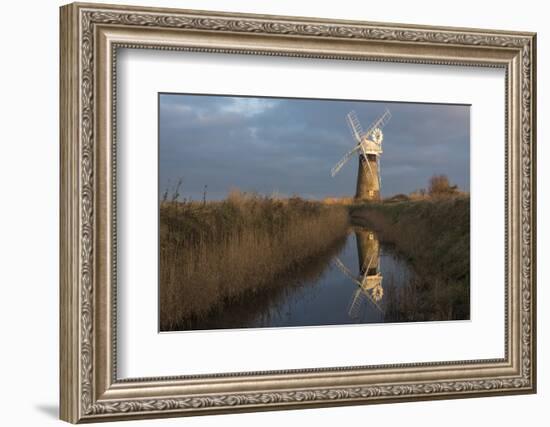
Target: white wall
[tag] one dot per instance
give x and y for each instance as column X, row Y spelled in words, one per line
column 29, row 170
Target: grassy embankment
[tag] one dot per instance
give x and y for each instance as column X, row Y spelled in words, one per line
column 214, row 253
column 434, row 235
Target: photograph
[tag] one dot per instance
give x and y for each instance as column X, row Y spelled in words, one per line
column 295, row 212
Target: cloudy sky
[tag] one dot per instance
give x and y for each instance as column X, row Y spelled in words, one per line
column 288, row 146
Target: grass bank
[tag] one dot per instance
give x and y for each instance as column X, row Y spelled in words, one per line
column 214, row 253
column 434, row 235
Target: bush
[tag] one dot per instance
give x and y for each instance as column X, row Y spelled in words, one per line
column 439, row 186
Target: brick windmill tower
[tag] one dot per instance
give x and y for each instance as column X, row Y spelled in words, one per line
column 368, row 148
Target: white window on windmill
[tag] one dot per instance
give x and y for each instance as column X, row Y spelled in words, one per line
column 371, row 193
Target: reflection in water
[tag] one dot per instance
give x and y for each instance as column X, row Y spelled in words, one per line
column 342, row 287
column 369, row 279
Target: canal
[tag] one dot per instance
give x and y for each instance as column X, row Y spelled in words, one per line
column 362, row 281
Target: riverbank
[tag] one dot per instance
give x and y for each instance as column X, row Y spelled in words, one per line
column 214, row 253
column 434, row 236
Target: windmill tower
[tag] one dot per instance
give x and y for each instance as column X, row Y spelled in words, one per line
column 368, row 148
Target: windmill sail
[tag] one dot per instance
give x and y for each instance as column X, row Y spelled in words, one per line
column 343, row 160
column 358, row 281
column 346, row 271
column 379, row 123
column 355, row 126
column 356, row 303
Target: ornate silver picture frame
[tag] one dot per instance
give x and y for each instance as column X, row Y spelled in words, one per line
column 91, row 35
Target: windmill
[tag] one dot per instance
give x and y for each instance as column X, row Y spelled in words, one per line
column 368, row 148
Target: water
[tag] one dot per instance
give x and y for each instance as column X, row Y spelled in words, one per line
column 363, row 281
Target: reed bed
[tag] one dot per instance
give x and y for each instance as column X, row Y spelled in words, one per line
column 214, row 253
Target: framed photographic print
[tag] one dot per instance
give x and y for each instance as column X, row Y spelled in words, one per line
column 266, row 212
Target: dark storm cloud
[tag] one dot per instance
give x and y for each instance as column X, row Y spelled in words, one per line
column 289, row 145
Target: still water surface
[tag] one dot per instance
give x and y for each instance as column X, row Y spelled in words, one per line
column 352, row 285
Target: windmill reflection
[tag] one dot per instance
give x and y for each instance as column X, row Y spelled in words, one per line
column 369, row 279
